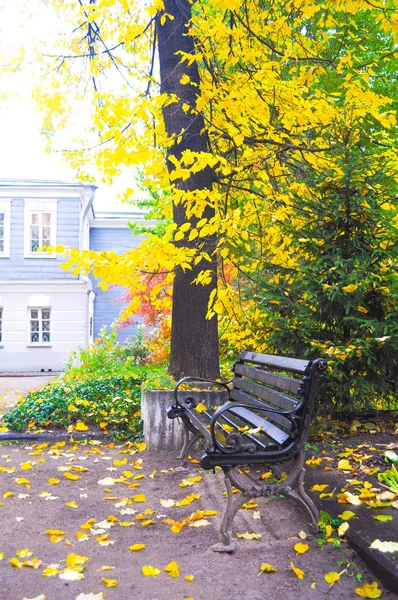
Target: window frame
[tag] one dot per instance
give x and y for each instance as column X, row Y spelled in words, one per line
column 35, row 206
column 40, row 331
column 5, row 207
column 1, row 326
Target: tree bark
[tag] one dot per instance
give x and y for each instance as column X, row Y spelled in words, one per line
column 194, row 339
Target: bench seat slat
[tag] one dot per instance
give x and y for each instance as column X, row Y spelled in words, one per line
column 277, row 435
column 278, row 420
column 295, row 365
column 287, row 384
column 240, row 417
column 274, row 398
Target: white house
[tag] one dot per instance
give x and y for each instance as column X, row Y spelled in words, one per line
column 45, row 312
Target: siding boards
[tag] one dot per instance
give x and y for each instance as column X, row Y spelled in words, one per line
column 106, row 305
column 19, row 268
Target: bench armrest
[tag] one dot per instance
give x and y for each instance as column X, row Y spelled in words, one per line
column 184, row 380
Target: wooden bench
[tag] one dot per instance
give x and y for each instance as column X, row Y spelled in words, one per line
column 262, row 423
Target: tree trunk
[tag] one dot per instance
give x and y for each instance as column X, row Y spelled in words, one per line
column 194, row 339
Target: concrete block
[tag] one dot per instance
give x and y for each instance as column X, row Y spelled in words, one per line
column 164, row 434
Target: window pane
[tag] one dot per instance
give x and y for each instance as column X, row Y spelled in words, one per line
column 34, row 245
column 1, row 233
column 1, row 245
column 46, row 337
column 34, row 219
column 34, row 325
column 46, row 219
column 1, row 218
column 34, row 313
column 46, row 325
column 34, row 337
column 45, row 314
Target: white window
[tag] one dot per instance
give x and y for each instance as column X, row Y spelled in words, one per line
column 1, row 325
column 40, row 326
column 40, row 227
column 5, row 228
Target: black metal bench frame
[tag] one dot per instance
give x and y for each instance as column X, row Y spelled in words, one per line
column 263, row 423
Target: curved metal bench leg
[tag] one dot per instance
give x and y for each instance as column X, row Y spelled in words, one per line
column 295, row 480
column 189, row 441
column 301, row 497
column 227, row 544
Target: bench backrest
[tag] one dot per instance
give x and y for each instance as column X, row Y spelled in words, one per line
column 284, row 385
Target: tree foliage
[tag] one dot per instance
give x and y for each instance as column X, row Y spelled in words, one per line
column 297, row 103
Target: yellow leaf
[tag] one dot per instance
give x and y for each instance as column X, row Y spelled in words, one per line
column 189, row 577
column 348, row 498
column 200, row 523
column 51, row 570
column 23, row 481
column 55, row 532
column 152, row 475
column 319, row 488
column 109, row 582
column 369, row 590
column 80, row 426
column 139, row 498
column 344, row 465
column 267, row 568
column 249, row 536
column 301, row 548
column 172, row 569
column 167, row 503
column 72, row 504
column 136, row 547
column 346, row 515
column 71, row 575
column 150, row 571
column 16, row 563
column 26, row 465
column 298, row 572
column 71, row 476
column 53, row 481
column 146, row 523
column 342, row 529
column 350, row 288
column 384, row 546
column 75, row 559
column 383, row 518
column 200, row 407
column 332, row 577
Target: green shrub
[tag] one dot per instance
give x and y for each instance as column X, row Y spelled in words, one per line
column 112, row 404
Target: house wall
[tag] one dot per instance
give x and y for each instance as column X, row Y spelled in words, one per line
column 69, row 306
column 107, row 308
column 17, row 267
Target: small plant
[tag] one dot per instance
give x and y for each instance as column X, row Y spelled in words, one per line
column 389, row 478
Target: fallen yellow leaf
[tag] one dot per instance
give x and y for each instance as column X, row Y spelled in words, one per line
column 298, row 572
column 301, row 548
column 150, row 571
column 384, row 546
column 109, row 582
column 249, row 536
column 332, row 577
column 267, row 568
column 136, row 547
column 172, row 569
column 71, row 476
column 346, row 515
column 369, row 590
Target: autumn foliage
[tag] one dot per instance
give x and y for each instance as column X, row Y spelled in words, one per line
column 299, row 107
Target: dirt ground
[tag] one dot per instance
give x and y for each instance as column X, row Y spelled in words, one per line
column 101, row 499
